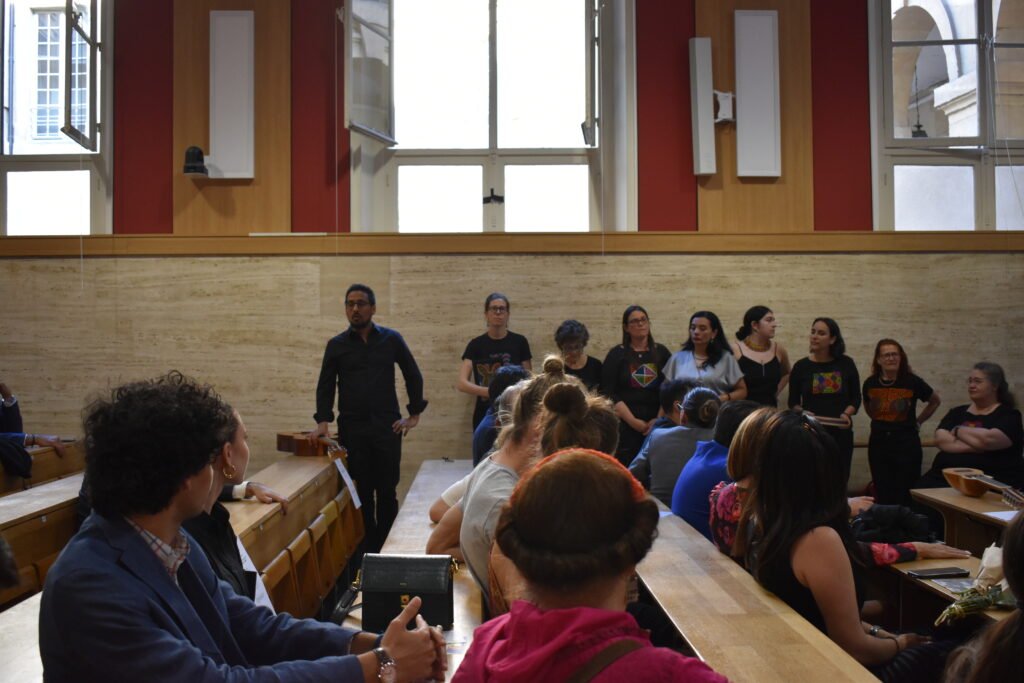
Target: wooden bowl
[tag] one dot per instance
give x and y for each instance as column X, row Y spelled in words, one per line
column 958, row 479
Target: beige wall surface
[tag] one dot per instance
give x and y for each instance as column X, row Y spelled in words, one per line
column 255, row 327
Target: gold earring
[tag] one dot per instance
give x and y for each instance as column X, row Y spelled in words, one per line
column 228, row 475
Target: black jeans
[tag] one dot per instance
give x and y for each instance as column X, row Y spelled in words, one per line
column 895, row 459
column 374, row 460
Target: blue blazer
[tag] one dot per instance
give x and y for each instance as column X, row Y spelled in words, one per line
column 110, row 612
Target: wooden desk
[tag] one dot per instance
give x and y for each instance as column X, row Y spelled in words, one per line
column 307, row 483
column 922, row 600
column 46, row 466
column 409, row 536
column 19, row 643
column 967, row 526
column 739, row 629
column 38, row 523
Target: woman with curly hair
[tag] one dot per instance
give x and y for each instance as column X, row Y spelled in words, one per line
column 577, row 572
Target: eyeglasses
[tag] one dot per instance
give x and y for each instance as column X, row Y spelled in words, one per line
column 497, row 309
column 637, row 322
column 572, row 348
column 891, row 354
column 357, row 304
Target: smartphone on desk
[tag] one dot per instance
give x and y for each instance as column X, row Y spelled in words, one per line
column 938, row 573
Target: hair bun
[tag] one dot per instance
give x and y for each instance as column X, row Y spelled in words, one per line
column 553, row 365
column 566, row 399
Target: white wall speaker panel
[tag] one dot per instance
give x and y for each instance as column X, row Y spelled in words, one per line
column 702, row 107
column 232, row 151
column 758, row 121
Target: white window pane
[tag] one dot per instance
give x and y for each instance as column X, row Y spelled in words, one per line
column 934, row 197
column 547, row 198
column 934, row 91
column 440, row 199
column 371, row 80
column 1010, row 197
column 441, row 73
column 541, row 73
column 1009, row 19
column 48, row 203
column 1008, row 88
column 945, row 20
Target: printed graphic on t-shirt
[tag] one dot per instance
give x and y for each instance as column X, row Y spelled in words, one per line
column 486, row 370
column 827, row 382
column 641, row 376
column 971, row 423
column 890, row 404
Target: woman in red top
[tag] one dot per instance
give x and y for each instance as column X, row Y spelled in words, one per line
column 577, row 572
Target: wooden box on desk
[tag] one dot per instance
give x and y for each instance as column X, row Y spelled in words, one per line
column 297, row 443
column 391, row 581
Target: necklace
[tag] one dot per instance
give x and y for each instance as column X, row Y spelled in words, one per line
column 756, row 347
column 884, row 383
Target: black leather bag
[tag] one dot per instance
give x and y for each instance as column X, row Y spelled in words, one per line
column 389, row 582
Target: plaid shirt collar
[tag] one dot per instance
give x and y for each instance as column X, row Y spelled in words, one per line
column 170, row 556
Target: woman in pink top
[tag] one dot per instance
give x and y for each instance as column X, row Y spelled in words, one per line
column 577, row 573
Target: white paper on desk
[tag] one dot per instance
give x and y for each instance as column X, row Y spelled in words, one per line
column 348, row 482
column 665, row 513
column 261, row 597
column 1002, row 515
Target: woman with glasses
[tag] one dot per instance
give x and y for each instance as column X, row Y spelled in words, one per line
column 707, row 359
column 485, row 354
column 890, row 396
column 631, row 377
column 986, row 433
column 571, row 337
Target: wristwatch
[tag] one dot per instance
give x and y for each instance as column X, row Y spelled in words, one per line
column 387, row 673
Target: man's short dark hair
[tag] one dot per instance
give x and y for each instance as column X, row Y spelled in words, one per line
column 673, row 390
column 370, row 296
column 730, row 416
column 143, row 442
column 506, row 376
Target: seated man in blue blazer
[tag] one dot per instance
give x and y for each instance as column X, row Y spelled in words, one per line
column 133, row 598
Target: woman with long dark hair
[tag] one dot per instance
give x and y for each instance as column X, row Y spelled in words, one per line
column 707, row 359
column 986, row 433
column 890, row 395
column 801, row 548
column 765, row 364
column 631, row 377
column 826, row 385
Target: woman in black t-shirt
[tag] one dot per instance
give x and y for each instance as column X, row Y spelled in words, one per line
column 631, row 378
column 488, row 352
column 890, row 395
column 987, row 433
column 826, row 385
column 571, row 338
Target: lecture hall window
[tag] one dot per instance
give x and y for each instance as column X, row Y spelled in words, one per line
column 950, row 133
column 53, row 156
column 494, row 109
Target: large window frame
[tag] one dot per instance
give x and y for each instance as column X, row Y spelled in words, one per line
column 983, row 152
column 375, row 164
column 98, row 134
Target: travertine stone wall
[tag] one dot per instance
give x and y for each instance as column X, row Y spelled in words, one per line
column 256, row 327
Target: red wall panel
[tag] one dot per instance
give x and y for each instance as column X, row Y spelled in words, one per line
column 841, row 117
column 667, row 187
column 143, row 97
column 320, row 143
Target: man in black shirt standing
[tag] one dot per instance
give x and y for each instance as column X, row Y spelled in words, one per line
column 360, row 363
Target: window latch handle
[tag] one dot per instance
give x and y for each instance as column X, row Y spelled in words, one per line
column 496, row 198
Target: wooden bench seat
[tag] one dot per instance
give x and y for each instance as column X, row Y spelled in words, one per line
column 46, row 467
column 37, row 524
